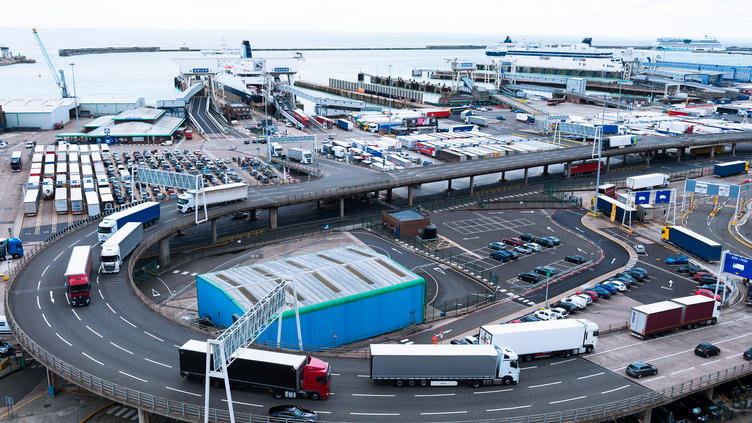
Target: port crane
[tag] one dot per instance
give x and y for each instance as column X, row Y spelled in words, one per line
column 59, row 80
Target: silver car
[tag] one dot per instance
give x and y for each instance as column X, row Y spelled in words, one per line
column 639, row 249
column 522, row 250
column 533, row 246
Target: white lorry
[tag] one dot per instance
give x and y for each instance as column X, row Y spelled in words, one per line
column 220, row 194
column 31, row 202
column 651, row 180
column 92, row 203
column 443, row 365
column 61, row 200
column 119, row 246
column 543, row 339
column 144, row 213
column 300, row 155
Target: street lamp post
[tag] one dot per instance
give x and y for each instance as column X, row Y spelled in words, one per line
column 390, row 100
column 548, row 280
column 75, row 96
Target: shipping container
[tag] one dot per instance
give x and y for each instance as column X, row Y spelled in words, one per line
column 544, row 338
column 688, row 240
column 730, row 168
column 649, row 181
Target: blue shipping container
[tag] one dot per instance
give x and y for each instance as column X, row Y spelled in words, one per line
column 691, row 241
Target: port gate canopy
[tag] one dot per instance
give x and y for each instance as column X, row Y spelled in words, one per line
column 710, row 188
column 344, row 294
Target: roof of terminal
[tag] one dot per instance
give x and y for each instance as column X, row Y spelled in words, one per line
column 407, row 215
column 35, row 105
column 111, row 100
column 140, row 114
column 323, row 276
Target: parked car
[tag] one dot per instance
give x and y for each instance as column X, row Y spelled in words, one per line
column 562, row 313
column 554, row 240
column 501, row 255
column 528, row 237
column 546, row 314
column 529, row 277
column 706, row 279
column 619, row 285
column 696, row 411
column 700, row 274
column 707, row 293
column 576, row 259
column 522, row 250
column 513, row 241
column 283, row 413
column 627, row 276
column 639, row 369
column 608, row 287
column 5, row 348
column 677, row 259
column 748, row 354
column 639, row 249
column 688, row 268
column 545, row 270
column 707, row 349
column 569, row 306
column 497, row 246
column 529, row 318
column 602, row 292
column 579, row 301
column 592, row 294
column 621, row 279
column 544, row 242
column 638, row 272
column 715, row 413
column 533, row 246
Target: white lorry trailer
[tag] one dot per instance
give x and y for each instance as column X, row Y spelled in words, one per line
column 117, row 248
column 220, row 194
column 651, row 180
column 144, row 213
column 92, row 203
column 61, row 200
column 31, row 202
column 443, row 365
column 543, row 339
column 301, row 155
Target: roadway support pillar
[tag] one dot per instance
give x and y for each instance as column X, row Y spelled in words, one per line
column 608, row 163
column 733, row 150
column 449, row 185
column 708, row 393
column 472, row 185
column 252, row 215
column 143, row 416
column 503, row 176
column 214, row 231
column 272, row 217
column 389, row 194
column 55, row 383
column 545, row 170
column 648, row 157
column 624, row 159
column 679, row 152
column 342, row 207
column 410, row 195
column 376, row 194
column 569, row 170
column 646, row 415
column 164, row 252
column 712, row 152
column 524, row 182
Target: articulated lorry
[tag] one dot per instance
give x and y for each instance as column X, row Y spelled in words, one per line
column 286, row 375
column 212, row 196
column 11, row 247
column 345, row 124
column 664, row 316
column 730, row 168
column 119, row 246
column 443, row 365
column 477, row 120
column 618, row 141
column 299, row 154
column 543, row 339
column 651, row 180
column 691, row 241
column 77, row 274
column 144, row 213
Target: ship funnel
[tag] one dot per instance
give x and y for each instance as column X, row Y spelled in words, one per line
column 588, row 41
column 246, row 51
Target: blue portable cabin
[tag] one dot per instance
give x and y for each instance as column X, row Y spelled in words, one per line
column 624, row 213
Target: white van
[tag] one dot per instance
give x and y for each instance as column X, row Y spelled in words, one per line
column 4, row 328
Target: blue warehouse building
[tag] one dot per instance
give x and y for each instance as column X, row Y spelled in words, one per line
column 345, row 294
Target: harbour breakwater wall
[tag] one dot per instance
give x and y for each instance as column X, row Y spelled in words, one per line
column 108, row 50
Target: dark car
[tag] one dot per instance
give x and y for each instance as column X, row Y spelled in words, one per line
column 681, row 414
column 610, row 288
column 529, row 277
column 528, row 237
column 691, row 269
column 715, row 413
column 639, row 369
column 696, row 411
column 707, row 279
column 622, row 279
column 513, row 254
column 529, row 318
column 602, row 292
column 748, row 354
column 281, row 413
column 636, row 274
column 554, row 240
column 544, row 270
column 570, row 307
column 707, row 349
column 627, row 276
column 544, row 242
column 712, row 286
column 576, row 259
column 502, row 255
column 677, row 259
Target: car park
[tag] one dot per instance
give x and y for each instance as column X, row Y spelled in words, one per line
column 533, row 246
column 576, row 259
column 707, row 349
column 639, row 369
column 677, row 259
column 545, row 270
column 529, row 277
column 284, row 413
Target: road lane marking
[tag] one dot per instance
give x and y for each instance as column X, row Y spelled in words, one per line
column 63, row 339
column 123, row 319
column 45, row 270
column 95, row 332
column 100, row 293
column 111, row 309
column 39, row 284
column 433, row 395
column 157, row 338
column 186, row 392
column 375, row 395
column 443, row 412
column 493, row 392
column 526, row 368
column 615, row 389
column 374, row 414
column 118, row 346
column 243, row 403
column 158, row 363
column 74, row 312
column 588, row 376
column 711, row 362
column 92, row 359
column 58, row 256
column 655, row 378
column 509, row 408
column 364, row 376
column 322, row 412
column 45, row 320
column 71, row 246
column 565, row 361
column 38, row 306
column 568, row 399
column 545, row 384
column 134, row 377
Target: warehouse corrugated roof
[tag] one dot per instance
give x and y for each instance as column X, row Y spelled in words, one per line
column 35, row 105
column 320, row 277
column 140, row 114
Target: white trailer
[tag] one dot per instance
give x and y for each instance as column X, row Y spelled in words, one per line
column 76, row 201
column 92, row 203
column 301, row 155
column 220, row 194
column 618, row 141
column 543, row 339
column 31, row 202
column 119, row 246
column 61, row 200
column 443, row 365
column 651, row 180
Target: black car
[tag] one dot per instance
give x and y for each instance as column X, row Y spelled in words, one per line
column 624, row 275
column 714, row 412
column 696, row 410
column 707, row 279
column 554, row 240
column 544, row 242
column 529, row 318
column 707, row 349
column 748, row 355
column 528, row 237
column 544, row 270
column 639, row 369
column 281, row 413
column 529, row 277
column 576, row 259
column 637, row 273
column 566, row 305
column 247, row 142
column 688, row 268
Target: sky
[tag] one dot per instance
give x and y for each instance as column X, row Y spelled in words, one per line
column 633, row 19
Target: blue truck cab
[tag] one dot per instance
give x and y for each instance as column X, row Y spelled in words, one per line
column 11, row 248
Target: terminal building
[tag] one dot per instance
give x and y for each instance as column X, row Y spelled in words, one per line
column 140, row 126
column 36, row 113
column 345, row 294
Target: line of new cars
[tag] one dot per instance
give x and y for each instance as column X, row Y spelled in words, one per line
column 707, row 282
column 512, row 248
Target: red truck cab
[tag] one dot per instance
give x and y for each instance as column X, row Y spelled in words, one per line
column 188, row 134
column 316, row 377
column 77, row 275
